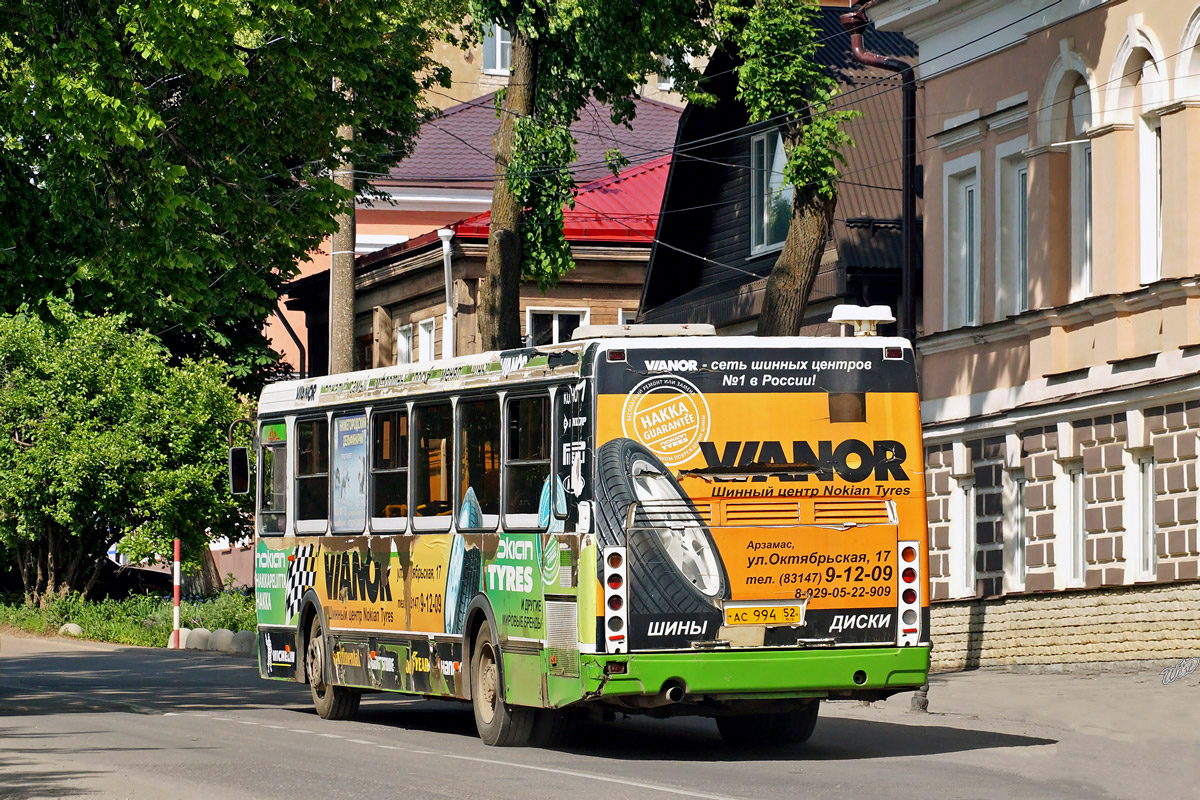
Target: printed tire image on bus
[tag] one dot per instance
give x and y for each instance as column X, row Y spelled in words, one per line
column 462, row 580
column 675, row 568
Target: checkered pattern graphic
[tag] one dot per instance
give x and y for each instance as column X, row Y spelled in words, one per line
column 302, row 573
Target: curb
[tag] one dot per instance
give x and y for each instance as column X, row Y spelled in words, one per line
column 222, row 640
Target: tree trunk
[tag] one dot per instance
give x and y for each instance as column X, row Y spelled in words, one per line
column 341, row 270
column 500, row 290
column 791, row 279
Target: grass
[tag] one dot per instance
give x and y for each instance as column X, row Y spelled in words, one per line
column 144, row 620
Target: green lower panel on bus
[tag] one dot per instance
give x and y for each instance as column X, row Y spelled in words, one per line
column 760, row 672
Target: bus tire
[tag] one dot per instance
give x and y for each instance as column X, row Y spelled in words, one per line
column 660, row 583
column 331, row 702
column 499, row 724
column 757, row 730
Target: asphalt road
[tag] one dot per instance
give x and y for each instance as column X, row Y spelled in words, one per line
column 80, row 719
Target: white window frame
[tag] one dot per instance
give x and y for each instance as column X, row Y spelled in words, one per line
column 1150, row 199
column 1082, row 283
column 494, row 40
column 1015, row 544
column 1011, row 275
column 626, row 316
column 1141, row 530
column 555, row 310
column 1070, row 537
column 961, row 247
column 759, row 223
column 665, row 82
column 404, row 333
column 426, row 340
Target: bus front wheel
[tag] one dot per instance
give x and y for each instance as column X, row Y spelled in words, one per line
column 331, row 702
column 498, row 723
column 789, row 727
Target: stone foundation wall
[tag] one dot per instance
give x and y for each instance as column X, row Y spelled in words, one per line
column 1138, row 623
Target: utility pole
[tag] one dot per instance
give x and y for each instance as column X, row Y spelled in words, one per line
column 341, row 267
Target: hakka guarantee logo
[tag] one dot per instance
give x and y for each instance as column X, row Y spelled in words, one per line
column 667, row 414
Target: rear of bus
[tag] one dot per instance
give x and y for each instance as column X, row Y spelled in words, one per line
column 760, row 526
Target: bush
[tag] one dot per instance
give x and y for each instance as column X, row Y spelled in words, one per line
column 144, row 620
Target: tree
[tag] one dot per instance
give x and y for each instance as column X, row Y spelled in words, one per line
column 780, row 81
column 563, row 53
column 172, row 161
column 103, row 441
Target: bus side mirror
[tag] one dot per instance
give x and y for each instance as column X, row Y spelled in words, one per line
column 239, row 470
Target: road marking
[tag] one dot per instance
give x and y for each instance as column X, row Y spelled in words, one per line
column 359, row 741
column 276, row 727
column 331, row 735
column 298, row 730
column 589, row 776
column 247, row 722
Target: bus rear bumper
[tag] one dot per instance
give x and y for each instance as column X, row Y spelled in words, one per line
column 759, row 673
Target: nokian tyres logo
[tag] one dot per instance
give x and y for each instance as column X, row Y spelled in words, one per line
column 668, row 415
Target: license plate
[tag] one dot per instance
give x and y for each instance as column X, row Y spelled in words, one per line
column 764, row 614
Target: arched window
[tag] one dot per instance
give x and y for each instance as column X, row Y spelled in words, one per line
column 1187, row 63
column 1138, row 87
column 1066, row 117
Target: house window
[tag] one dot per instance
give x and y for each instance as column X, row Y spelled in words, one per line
column 962, row 256
column 425, row 341
column 1148, row 529
column 553, row 326
column 665, row 82
column 770, row 196
column 1012, row 227
column 626, row 316
column 404, row 344
column 497, row 50
column 1081, row 220
column 1150, row 168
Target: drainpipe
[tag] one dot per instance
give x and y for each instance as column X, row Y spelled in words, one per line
column 855, row 22
column 446, row 234
column 296, row 339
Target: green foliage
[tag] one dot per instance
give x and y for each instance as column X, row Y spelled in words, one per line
column 170, row 160
column 137, row 620
column 585, row 49
column 102, row 440
column 780, row 80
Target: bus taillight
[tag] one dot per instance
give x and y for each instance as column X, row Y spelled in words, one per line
column 908, row 607
column 615, row 613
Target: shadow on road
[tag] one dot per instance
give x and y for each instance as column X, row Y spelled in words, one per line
column 138, row 680
column 696, row 738
column 18, row 782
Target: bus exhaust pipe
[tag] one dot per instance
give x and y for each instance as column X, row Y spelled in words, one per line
column 672, row 692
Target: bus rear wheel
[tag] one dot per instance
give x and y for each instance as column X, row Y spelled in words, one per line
column 498, row 723
column 331, row 702
column 788, row 727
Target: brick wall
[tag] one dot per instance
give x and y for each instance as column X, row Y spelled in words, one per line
column 937, row 487
column 1126, row 624
column 1173, row 432
column 1038, row 449
column 1101, row 442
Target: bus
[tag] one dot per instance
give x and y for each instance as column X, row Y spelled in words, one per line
column 646, row 519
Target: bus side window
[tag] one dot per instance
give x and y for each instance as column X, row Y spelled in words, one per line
column 479, row 467
column 527, row 469
column 432, row 458
column 389, row 470
column 312, row 469
column 272, row 511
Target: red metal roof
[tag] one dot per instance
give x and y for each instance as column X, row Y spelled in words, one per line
column 621, row 208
